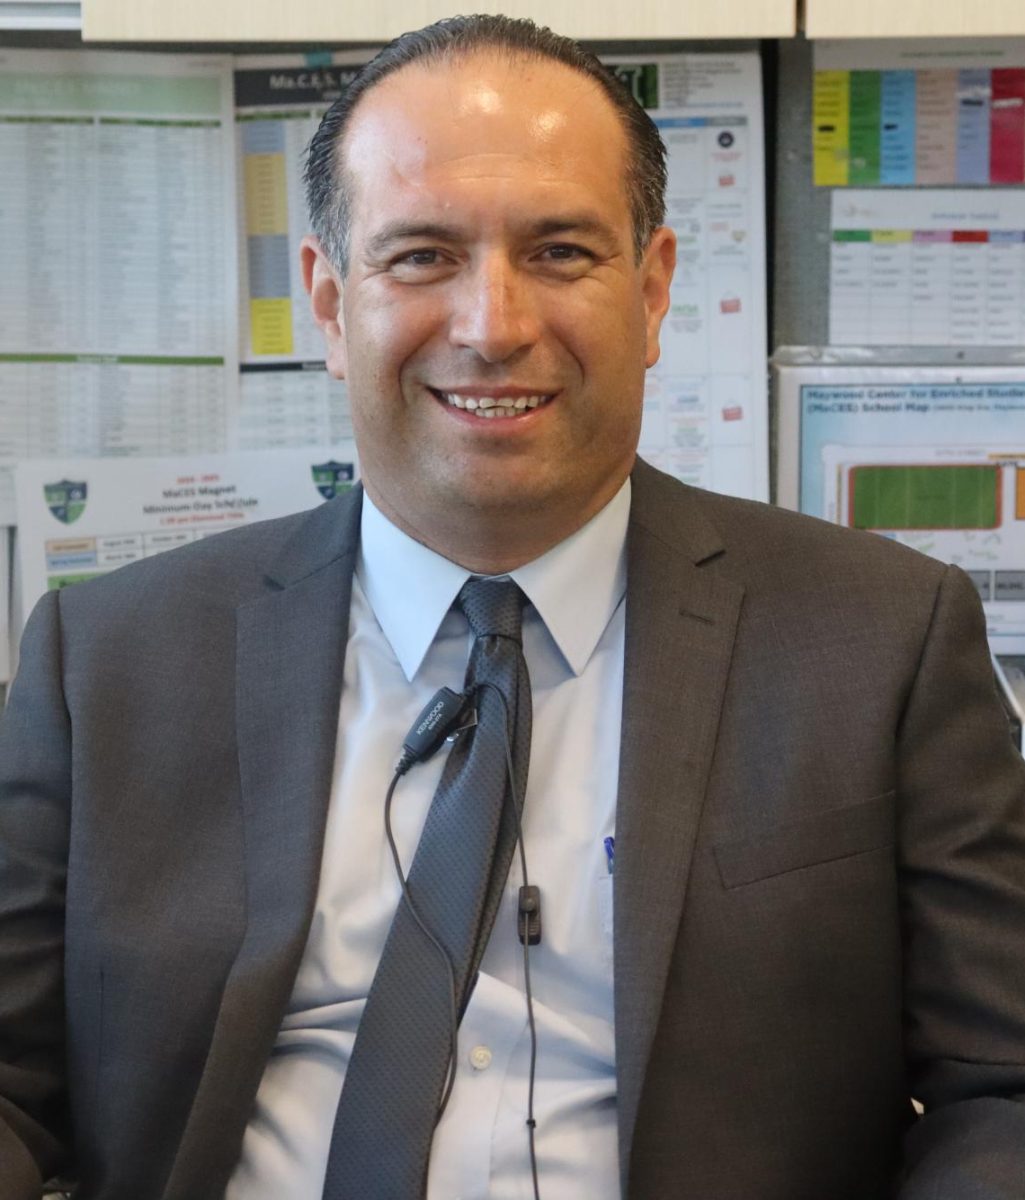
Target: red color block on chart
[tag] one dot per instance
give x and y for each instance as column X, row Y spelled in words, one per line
column 1007, row 126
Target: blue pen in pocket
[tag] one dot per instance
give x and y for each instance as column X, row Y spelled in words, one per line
column 610, row 853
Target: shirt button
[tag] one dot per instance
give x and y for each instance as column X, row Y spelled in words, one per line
column 480, row 1058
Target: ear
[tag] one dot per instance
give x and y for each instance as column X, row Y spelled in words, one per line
column 323, row 284
column 657, row 273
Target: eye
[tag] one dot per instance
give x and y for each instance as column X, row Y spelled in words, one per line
column 564, row 260
column 419, row 258
column 422, row 265
column 413, row 258
column 565, row 252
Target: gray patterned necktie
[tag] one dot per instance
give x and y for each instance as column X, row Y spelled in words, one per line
column 393, row 1086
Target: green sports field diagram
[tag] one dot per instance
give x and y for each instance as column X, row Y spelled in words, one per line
column 924, row 496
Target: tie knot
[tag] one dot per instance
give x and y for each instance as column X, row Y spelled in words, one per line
column 494, row 607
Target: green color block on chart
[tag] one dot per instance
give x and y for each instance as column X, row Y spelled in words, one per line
column 866, row 131
column 925, row 497
column 55, row 583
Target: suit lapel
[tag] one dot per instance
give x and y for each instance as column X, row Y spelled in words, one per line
column 290, row 659
column 681, row 618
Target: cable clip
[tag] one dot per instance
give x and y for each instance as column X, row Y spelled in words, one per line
column 468, row 721
column 528, row 920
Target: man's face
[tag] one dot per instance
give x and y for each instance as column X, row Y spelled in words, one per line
column 492, row 270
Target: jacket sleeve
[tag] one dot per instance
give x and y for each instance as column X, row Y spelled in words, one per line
column 35, row 766
column 962, row 887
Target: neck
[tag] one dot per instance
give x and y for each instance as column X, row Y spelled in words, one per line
column 492, row 542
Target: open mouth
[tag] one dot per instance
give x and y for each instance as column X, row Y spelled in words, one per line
column 490, row 407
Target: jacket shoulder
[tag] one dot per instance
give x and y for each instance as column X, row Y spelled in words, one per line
column 762, row 540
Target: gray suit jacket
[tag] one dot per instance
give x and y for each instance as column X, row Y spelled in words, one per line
column 820, row 867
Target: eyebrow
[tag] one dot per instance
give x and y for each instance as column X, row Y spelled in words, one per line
column 402, row 231
column 574, row 223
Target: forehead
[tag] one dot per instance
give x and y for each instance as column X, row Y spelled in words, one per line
column 487, row 118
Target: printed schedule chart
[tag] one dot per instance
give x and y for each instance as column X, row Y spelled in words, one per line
column 927, row 268
column 286, row 396
column 705, row 404
column 118, row 297
column 914, row 112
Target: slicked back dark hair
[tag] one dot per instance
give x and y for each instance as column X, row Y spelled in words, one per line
column 455, row 38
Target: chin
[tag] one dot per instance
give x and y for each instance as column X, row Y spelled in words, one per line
column 496, row 494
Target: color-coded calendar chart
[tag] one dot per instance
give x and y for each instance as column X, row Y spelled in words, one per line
column 929, row 267
column 919, row 113
column 279, row 101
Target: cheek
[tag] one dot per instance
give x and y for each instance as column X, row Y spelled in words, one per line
column 388, row 325
column 608, row 333
column 613, row 363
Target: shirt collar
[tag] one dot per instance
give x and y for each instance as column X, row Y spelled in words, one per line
column 575, row 587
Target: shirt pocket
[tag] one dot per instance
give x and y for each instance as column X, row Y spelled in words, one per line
column 823, row 837
column 603, row 891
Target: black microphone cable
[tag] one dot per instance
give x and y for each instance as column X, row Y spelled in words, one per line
column 438, row 719
column 446, row 957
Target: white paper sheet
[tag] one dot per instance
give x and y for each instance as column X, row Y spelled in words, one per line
column 78, row 518
column 706, row 407
column 119, row 293
column 917, row 54
column 927, row 268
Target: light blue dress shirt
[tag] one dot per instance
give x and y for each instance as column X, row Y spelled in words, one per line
column 406, row 641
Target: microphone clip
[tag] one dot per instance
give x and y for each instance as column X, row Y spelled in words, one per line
column 438, row 719
column 528, row 917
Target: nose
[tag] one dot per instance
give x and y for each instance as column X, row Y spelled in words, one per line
column 494, row 310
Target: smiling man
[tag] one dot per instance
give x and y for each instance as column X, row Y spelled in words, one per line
column 497, row 306
column 754, row 764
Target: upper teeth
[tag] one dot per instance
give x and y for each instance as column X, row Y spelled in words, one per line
column 492, row 406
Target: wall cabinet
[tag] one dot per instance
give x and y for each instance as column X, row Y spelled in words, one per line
column 336, row 21
column 913, row 18
column 333, row 22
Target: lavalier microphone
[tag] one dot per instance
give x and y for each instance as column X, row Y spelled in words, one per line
column 440, row 716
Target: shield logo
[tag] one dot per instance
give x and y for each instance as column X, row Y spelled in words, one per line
column 332, row 478
column 66, row 500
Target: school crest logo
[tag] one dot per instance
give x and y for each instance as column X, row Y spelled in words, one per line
column 66, row 500
column 332, row 478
